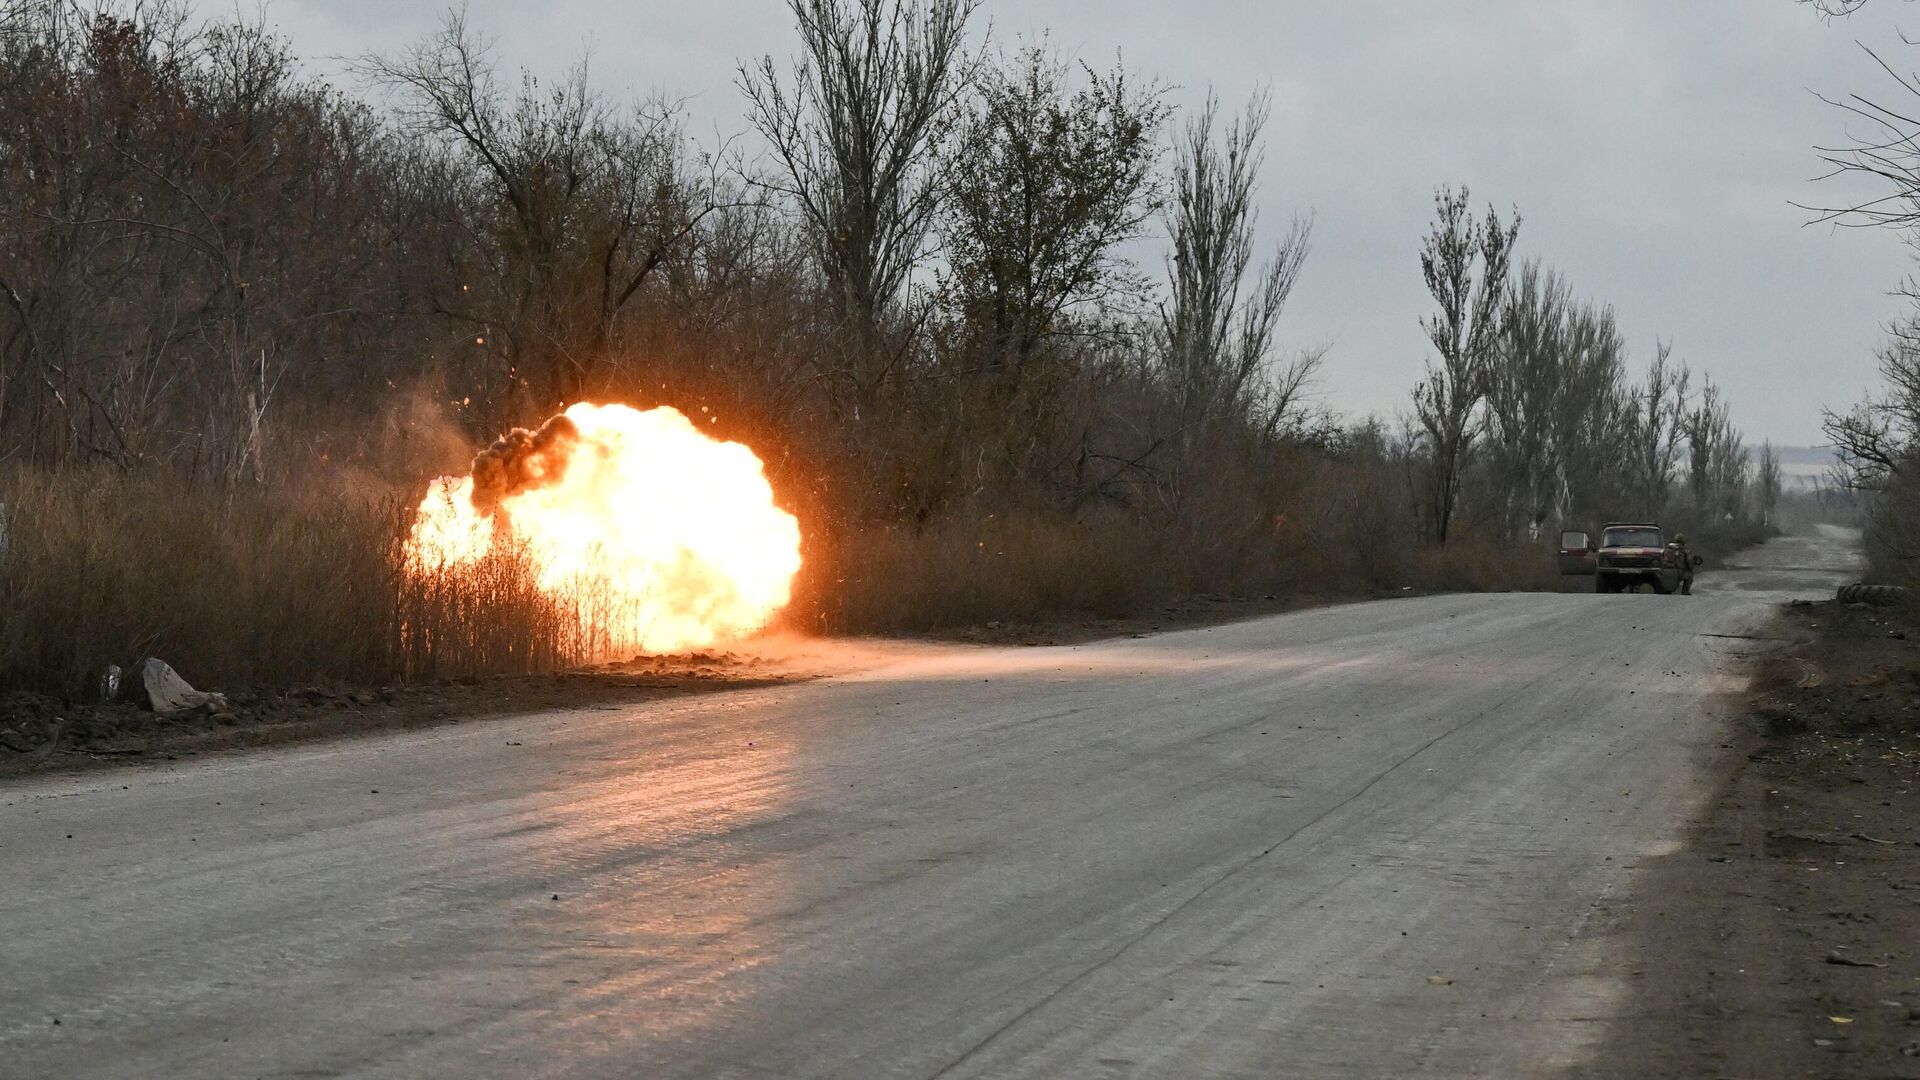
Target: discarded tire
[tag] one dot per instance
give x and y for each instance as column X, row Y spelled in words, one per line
column 1877, row 595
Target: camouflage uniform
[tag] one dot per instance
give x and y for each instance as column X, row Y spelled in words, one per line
column 1679, row 545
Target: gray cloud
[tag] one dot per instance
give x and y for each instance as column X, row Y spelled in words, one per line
column 1653, row 149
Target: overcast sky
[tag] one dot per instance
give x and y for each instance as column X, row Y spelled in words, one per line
column 1653, row 149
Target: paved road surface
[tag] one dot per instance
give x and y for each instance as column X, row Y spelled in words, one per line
column 1252, row 851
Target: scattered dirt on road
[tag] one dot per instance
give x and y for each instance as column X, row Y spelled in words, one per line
column 43, row 734
column 1784, row 940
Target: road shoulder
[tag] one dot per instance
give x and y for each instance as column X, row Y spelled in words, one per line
column 41, row 734
column 1783, row 939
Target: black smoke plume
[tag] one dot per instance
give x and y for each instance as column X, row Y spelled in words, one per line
column 521, row 460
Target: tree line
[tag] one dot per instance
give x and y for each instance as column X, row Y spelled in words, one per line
column 921, row 283
column 1527, row 406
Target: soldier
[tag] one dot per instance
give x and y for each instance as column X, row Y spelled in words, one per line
column 1678, row 545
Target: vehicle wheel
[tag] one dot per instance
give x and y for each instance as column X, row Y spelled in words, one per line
column 1660, row 587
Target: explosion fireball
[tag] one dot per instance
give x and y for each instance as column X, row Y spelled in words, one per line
column 669, row 537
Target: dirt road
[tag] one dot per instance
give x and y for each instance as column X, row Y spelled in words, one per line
column 1357, row 841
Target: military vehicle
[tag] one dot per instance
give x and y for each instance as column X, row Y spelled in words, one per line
column 1630, row 554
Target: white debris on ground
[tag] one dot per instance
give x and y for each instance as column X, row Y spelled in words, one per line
column 156, row 685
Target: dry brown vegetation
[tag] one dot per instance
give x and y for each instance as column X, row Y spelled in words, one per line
column 251, row 586
column 1878, row 443
column 244, row 316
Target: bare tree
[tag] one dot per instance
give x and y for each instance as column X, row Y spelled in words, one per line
column 1554, row 394
column 1049, row 177
column 1875, row 441
column 1706, row 427
column 1652, row 427
column 587, row 201
column 1878, row 446
column 184, row 213
column 1729, row 470
column 1046, row 183
column 1218, row 323
column 1464, row 262
column 1589, row 412
column 1767, row 481
column 1887, row 154
column 856, row 128
column 1525, row 380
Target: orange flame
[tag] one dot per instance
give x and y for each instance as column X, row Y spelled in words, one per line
column 670, row 536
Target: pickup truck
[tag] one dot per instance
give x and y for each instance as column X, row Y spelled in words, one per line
column 1630, row 554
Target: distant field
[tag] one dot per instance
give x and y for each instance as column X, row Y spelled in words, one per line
column 1803, row 466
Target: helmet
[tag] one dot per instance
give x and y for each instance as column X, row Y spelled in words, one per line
column 1679, row 538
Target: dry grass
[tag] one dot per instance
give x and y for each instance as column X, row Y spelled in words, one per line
column 486, row 619
column 248, row 587
column 1030, row 566
column 982, row 567
column 1893, row 532
column 305, row 584
column 231, row 589
column 1469, row 564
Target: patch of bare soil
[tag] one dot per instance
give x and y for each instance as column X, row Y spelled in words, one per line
column 1784, row 940
column 45, row 734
